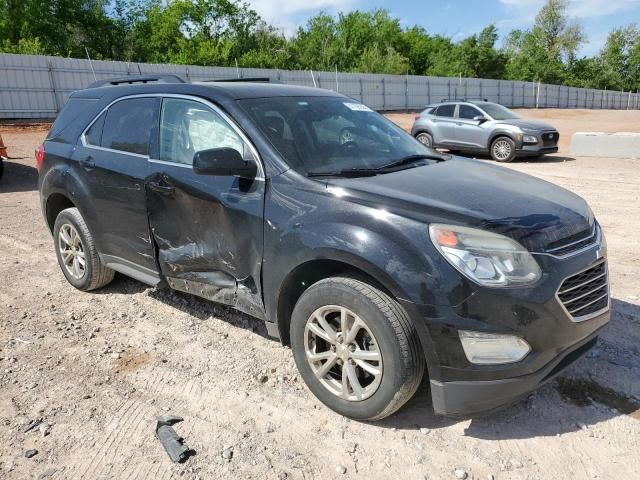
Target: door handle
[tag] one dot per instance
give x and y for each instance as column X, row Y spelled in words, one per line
column 162, row 189
column 88, row 162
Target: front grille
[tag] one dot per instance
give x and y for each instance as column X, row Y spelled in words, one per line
column 550, row 139
column 586, row 293
column 573, row 243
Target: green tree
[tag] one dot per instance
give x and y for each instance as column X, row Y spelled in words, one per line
column 542, row 53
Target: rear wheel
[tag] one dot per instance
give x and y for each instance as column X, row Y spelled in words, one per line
column 425, row 139
column 77, row 254
column 356, row 348
column 503, row 149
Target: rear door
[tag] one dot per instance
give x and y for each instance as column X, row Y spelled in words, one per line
column 113, row 152
column 208, row 229
column 469, row 132
column 444, row 124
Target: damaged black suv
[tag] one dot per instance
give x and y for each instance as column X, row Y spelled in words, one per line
column 376, row 258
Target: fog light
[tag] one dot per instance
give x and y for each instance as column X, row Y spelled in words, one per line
column 492, row 348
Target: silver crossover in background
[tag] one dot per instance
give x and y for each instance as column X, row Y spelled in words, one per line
column 483, row 127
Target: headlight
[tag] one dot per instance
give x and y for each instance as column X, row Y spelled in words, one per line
column 487, row 258
column 492, row 348
column 530, row 139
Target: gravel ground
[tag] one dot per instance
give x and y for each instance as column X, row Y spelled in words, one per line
column 83, row 375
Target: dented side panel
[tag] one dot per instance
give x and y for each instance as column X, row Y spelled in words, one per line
column 208, row 231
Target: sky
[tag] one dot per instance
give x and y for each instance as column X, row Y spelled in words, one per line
column 460, row 18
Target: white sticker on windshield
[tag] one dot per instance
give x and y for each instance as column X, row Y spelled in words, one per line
column 357, row 107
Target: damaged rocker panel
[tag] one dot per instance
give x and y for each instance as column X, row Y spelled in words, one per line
column 238, row 295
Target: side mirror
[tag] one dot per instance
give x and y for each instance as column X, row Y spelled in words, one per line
column 223, row 162
column 480, row 118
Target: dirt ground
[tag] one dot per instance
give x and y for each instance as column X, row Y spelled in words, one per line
column 97, row 368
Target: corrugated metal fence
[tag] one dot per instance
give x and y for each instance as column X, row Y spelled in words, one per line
column 33, row 86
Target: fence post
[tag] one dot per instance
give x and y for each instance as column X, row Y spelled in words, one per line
column 406, row 94
column 449, row 89
column 361, row 90
column 384, row 95
column 428, row 91
column 54, row 91
column 499, row 92
column 513, row 93
column 481, row 97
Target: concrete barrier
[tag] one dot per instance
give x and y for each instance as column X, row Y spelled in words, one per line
column 600, row 144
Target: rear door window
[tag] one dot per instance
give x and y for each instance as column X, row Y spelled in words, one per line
column 128, row 125
column 445, row 110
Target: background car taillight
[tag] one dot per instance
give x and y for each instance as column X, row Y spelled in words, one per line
column 39, row 156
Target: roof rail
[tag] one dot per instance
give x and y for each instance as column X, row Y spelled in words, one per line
column 110, row 82
column 455, row 99
column 247, row 79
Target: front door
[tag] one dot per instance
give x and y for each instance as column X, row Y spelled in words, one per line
column 470, row 133
column 208, row 229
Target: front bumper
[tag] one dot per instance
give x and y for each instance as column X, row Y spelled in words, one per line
column 547, row 143
column 536, row 314
column 463, row 398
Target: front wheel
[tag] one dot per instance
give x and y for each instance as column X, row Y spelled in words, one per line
column 356, row 348
column 503, row 149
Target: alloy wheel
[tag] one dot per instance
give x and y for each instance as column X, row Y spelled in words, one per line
column 424, row 139
column 71, row 251
column 343, row 353
column 502, row 150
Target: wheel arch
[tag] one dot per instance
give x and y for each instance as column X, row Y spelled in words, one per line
column 55, row 203
column 500, row 133
column 312, row 271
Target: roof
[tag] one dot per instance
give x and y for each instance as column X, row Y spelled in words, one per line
column 215, row 90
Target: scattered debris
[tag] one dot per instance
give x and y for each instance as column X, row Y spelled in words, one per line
column 425, row 431
column 227, row 453
column 31, row 453
column 32, row 424
column 461, row 474
column 174, row 445
column 341, row 469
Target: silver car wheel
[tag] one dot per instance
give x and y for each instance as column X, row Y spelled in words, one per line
column 502, row 150
column 343, row 353
column 424, row 139
column 71, row 251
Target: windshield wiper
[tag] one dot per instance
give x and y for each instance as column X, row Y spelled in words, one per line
column 410, row 159
column 346, row 172
column 369, row 172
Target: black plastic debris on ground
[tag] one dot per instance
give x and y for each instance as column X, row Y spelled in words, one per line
column 174, row 444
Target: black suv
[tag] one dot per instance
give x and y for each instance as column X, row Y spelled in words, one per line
column 370, row 254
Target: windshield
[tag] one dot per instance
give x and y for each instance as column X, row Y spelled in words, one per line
column 322, row 134
column 497, row 112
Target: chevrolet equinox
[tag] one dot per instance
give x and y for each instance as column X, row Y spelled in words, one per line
column 377, row 259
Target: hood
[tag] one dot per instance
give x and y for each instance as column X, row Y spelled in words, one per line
column 527, row 124
column 467, row 192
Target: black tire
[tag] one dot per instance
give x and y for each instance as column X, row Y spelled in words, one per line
column 1, row 168
column 95, row 274
column 425, row 139
column 396, row 340
column 499, row 154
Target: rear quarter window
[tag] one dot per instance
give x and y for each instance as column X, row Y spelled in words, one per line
column 74, row 109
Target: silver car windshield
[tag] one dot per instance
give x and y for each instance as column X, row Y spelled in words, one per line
column 498, row 112
column 330, row 133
